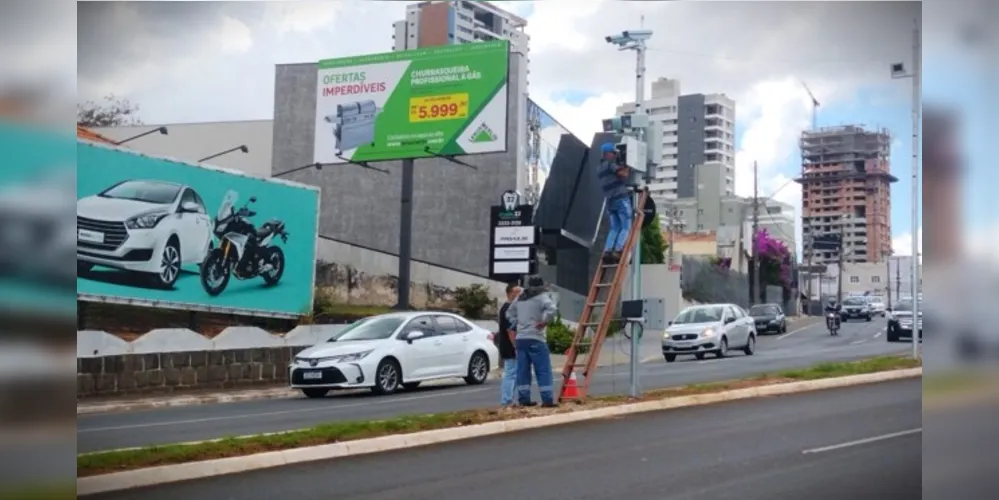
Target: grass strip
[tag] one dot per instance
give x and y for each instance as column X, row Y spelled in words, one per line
column 137, row 458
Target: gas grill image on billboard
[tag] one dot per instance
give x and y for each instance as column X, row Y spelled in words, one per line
column 354, row 124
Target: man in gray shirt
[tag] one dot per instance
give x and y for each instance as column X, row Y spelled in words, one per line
column 529, row 315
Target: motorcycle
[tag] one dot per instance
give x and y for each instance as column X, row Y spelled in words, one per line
column 244, row 251
column 832, row 323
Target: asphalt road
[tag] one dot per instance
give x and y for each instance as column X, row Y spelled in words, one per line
column 861, row 442
column 797, row 349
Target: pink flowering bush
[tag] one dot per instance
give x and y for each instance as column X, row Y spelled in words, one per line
column 775, row 260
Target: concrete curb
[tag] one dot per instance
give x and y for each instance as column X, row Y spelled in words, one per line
column 283, row 392
column 196, row 470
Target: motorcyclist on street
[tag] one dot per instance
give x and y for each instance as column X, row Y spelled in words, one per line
column 833, row 308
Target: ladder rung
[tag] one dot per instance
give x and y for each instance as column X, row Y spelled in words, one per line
column 597, row 304
column 608, row 266
column 603, row 285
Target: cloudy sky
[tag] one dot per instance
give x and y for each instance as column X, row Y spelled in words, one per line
column 214, row 61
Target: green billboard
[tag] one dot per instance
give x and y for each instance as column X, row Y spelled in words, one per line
column 163, row 233
column 447, row 100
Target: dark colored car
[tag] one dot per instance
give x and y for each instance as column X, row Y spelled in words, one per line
column 856, row 307
column 900, row 322
column 769, row 318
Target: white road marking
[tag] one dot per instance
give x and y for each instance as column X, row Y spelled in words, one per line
column 880, row 332
column 280, row 412
column 863, row 441
column 861, row 341
column 792, row 332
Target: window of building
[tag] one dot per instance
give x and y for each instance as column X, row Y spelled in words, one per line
column 875, row 279
column 854, row 279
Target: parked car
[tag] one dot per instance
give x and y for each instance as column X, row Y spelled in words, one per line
column 768, row 318
column 710, row 328
column 396, row 350
column 144, row 226
column 900, row 322
column 856, row 307
column 877, row 306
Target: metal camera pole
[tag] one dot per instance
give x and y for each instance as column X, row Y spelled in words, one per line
column 917, row 68
column 636, row 259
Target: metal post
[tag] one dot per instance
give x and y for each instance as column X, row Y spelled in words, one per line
column 636, row 259
column 917, row 69
column 842, row 250
column 405, row 235
column 755, row 293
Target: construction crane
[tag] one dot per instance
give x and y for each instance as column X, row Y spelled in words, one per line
column 815, row 106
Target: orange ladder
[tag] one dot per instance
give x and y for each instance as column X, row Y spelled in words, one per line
column 605, row 290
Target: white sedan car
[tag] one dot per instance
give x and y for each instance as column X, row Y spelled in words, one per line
column 395, row 350
column 709, row 328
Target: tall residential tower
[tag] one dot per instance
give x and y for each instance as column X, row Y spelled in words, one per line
column 846, row 189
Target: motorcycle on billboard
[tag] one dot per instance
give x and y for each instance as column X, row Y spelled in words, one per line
column 244, row 250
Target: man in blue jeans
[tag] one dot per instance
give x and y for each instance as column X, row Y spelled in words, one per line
column 507, row 351
column 530, row 315
column 613, row 177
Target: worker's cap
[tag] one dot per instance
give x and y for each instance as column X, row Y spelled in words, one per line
column 535, row 282
column 607, row 148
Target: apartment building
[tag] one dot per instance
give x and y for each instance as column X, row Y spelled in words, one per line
column 698, row 129
column 429, row 24
column 891, row 278
column 846, row 190
column 714, row 207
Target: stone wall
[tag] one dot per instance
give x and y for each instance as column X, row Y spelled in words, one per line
column 135, row 374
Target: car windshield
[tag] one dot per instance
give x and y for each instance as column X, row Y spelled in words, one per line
column 704, row 314
column 151, row 192
column 347, row 330
column 854, row 302
column 376, row 328
column 762, row 310
column 904, row 306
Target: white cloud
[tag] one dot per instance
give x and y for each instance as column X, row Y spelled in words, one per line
column 303, row 17
column 902, row 244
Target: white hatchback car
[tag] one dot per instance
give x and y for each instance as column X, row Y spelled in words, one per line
column 145, row 226
column 395, row 350
column 709, row 328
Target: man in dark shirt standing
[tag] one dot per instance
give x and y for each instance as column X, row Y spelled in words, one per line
column 613, row 177
column 507, row 351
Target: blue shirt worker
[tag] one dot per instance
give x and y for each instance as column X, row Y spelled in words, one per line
column 613, row 177
column 530, row 314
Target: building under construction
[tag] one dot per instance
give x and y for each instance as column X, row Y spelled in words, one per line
column 846, row 191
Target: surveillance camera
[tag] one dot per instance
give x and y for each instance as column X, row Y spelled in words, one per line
column 608, row 39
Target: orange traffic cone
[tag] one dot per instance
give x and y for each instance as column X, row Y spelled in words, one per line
column 570, row 390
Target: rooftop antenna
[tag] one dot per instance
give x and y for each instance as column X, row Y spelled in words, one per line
column 815, row 106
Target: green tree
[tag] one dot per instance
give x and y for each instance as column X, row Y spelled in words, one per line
column 653, row 244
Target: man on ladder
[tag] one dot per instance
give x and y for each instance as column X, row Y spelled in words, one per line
column 613, row 176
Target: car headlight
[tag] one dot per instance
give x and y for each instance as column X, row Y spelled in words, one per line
column 666, row 336
column 708, row 332
column 145, row 221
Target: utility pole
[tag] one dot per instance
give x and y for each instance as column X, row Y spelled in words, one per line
column 809, row 250
column 888, row 276
column 842, row 251
column 898, row 280
column 755, row 288
column 671, row 224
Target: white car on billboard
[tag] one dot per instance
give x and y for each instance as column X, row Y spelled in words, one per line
column 143, row 226
column 397, row 350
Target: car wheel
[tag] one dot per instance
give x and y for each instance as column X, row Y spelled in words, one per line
column 699, row 355
column 478, row 369
column 409, row 386
column 315, row 392
column 672, row 357
column 387, row 377
column 722, row 348
column 170, row 262
column 868, row 318
column 783, row 328
column 750, row 346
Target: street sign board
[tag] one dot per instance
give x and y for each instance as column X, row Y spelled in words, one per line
column 513, row 239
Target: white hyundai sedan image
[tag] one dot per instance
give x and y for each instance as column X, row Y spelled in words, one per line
column 143, row 226
column 397, row 350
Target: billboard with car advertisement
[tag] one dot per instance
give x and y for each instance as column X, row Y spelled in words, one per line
column 163, row 233
column 447, row 100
